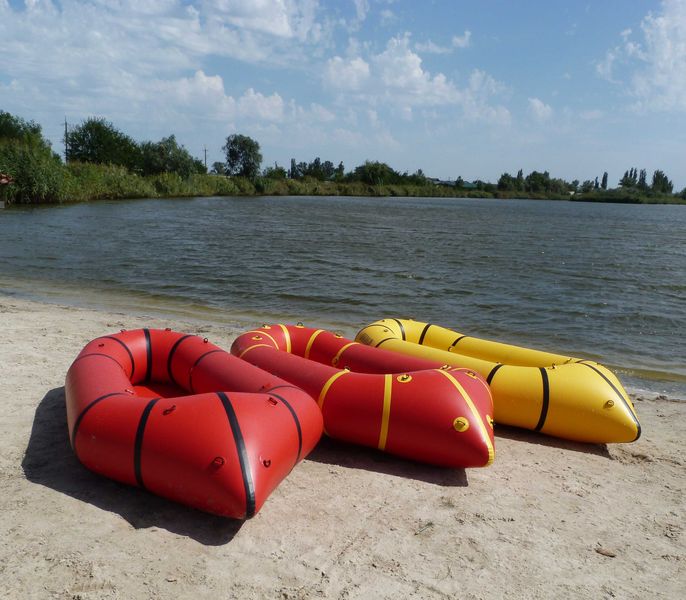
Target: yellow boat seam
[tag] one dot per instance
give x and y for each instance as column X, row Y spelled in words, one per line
column 252, row 347
column 335, row 359
column 288, row 337
column 257, row 331
column 327, row 385
column 475, row 413
column 311, row 341
column 386, row 414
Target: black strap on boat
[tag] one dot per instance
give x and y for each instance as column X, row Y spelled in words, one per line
column 242, row 455
column 138, row 445
column 171, row 356
column 196, row 363
column 83, row 414
column 295, row 419
column 128, row 351
column 546, row 400
column 456, row 342
column 619, row 395
column 494, row 370
column 148, row 352
column 421, row 337
column 402, row 328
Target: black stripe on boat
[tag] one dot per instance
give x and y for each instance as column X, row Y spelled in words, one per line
column 148, row 353
column 491, row 375
column 546, row 400
column 171, row 356
column 620, row 396
column 83, row 414
column 242, row 455
column 128, row 351
column 384, row 341
column 295, row 419
column 402, row 328
column 456, row 342
column 421, row 337
column 196, row 363
column 138, row 446
column 100, row 354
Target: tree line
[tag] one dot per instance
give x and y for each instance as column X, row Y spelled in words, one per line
column 633, row 181
column 103, row 162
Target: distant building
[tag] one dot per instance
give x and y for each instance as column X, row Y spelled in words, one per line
column 466, row 185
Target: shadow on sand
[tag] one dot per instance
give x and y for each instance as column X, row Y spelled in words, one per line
column 49, row 461
column 334, row 452
column 539, row 439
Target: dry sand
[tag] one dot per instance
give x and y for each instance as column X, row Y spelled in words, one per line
column 550, row 519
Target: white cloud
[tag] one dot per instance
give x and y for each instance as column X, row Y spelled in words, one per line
column 361, row 9
column 653, row 69
column 400, row 70
column 540, row 110
column 346, row 74
column 430, row 47
column 397, row 80
column 462, row 41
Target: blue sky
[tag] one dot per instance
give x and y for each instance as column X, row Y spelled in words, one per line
column 468, row 88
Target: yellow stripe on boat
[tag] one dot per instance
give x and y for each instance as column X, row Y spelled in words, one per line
column 386, row 413
column 558, row 395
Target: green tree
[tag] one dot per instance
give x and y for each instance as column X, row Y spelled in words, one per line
column 17, row 129
column 243, row 157
column 603, row 183
column 661, row 183
column 642, row 184
column 98, row 141
column 506, row 182
column 339, row 174
column 167, row 156
column 275, row 172
column 375, row 173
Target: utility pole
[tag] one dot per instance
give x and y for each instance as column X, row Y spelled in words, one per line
column 66, row 141
column 205, row 149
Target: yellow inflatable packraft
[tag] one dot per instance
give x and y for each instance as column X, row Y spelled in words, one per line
column 557, row 395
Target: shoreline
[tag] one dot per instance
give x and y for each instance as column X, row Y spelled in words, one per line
column 549, row 519
column 197, row 315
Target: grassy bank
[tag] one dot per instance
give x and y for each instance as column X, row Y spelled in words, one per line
column 41, row 178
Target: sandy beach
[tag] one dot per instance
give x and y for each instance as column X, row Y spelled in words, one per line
column 549, row 519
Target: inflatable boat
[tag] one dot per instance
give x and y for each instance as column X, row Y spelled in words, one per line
column 182, row 418
column 557, row 395
column 433, row 415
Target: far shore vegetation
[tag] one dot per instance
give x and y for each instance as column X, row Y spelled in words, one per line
column 101, row 162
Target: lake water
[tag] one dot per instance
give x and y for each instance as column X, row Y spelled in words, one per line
column 602, row 281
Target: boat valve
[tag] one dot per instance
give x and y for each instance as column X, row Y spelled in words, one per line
column 218, row 462
column 405, row 378
column 609, row 404
column 461, row 424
